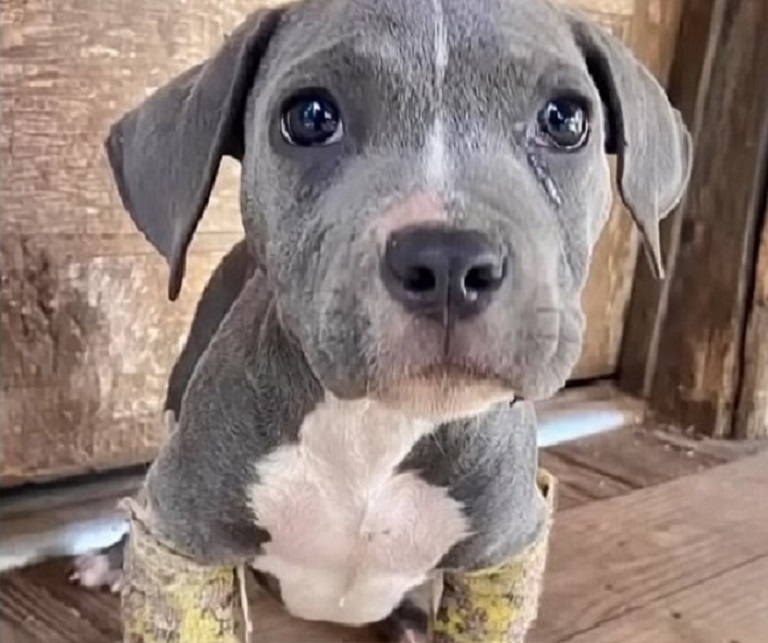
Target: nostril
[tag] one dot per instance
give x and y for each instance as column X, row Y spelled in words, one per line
column 484, row 278
column 419, row 279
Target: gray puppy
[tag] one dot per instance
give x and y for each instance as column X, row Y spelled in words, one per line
column 422, row 184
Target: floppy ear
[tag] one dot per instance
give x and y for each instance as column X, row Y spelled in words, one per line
column 165, row 153
column 647, row 134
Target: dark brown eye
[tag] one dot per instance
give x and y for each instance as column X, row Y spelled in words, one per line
column 563, row 124
column 311, row 119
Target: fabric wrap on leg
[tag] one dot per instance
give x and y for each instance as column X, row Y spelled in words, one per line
column 171, row 599
column 498, row 604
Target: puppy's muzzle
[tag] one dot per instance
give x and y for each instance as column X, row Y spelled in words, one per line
column 441, row 273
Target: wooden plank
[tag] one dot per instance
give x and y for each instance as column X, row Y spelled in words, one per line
column 655, row 29
column 613, row 557
column 577, row 484
column 727, row 608
column 614, row 463
column 650, row 29
column 635, row 458
column 88, row 337
column 752, row 412
column 688, row 82
column 87, row 345
column 10, row 634
column 692, row 351
column 33, row 610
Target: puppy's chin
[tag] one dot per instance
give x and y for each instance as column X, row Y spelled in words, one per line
column 442, row 397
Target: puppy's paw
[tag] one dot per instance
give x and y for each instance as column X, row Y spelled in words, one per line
column 407, row 624
column 412, row 636
column 97, row 571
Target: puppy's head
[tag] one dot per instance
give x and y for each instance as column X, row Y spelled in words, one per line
column 423, row 181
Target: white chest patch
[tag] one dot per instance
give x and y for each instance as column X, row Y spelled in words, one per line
column 349, row 535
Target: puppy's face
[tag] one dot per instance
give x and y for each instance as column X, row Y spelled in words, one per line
column 429, row 178
column 425, row 182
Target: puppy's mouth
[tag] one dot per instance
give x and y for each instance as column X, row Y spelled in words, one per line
column 443, row 391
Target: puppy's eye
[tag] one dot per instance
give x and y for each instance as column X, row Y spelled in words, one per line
column 563, row 123
column 311, row 119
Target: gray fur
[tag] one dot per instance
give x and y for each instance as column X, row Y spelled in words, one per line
column 223, row 288
column 314, row 317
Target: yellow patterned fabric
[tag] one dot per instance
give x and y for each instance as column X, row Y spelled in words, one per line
column 171, row 599
column 496, row 605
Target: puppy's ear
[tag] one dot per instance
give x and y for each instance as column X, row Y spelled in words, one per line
column 647, row 134
column 165, row 153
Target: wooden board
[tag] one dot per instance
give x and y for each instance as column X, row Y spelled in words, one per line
column 693, row 344
column 656, row 548
column 752, row 412
column 88, row 336
column 649, row 28
column 688, row 82
column 703, row 613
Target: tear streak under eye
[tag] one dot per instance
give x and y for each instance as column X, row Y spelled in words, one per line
column 545, row 179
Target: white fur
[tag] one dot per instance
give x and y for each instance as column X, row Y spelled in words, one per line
column 436, row 162
column 436, row 154
column 349, row 535
column 441, row 41
column 95, row 571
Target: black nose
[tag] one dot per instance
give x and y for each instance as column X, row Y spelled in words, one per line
column 432, row 271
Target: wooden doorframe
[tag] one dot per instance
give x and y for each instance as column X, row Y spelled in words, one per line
column 691, row 342
column 751, row 419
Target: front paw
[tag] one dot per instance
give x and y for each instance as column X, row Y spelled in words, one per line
column 97, row 571
column 408, row 623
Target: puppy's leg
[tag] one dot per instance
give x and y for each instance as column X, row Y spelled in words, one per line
column 103, row 568
column 221, row 291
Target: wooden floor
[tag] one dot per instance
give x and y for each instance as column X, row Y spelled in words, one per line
column 657, row 539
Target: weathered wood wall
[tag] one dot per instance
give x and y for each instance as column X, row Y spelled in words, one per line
column 685, row 348
column 752, row 410
column 649, row 28
column 87, row 334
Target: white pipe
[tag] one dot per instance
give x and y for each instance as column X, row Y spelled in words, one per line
column 564, row 426
column 72, row 539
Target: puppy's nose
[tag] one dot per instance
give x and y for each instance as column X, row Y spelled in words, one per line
column 432, row 271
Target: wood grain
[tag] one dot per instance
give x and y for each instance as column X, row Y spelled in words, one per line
column 704, row 613
column 688, row 84
column 628, row 459
column 700, row 345
column 752, row 412
column 649, row 28
column 611, row 558
column 88, row 337
column 86, row 350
